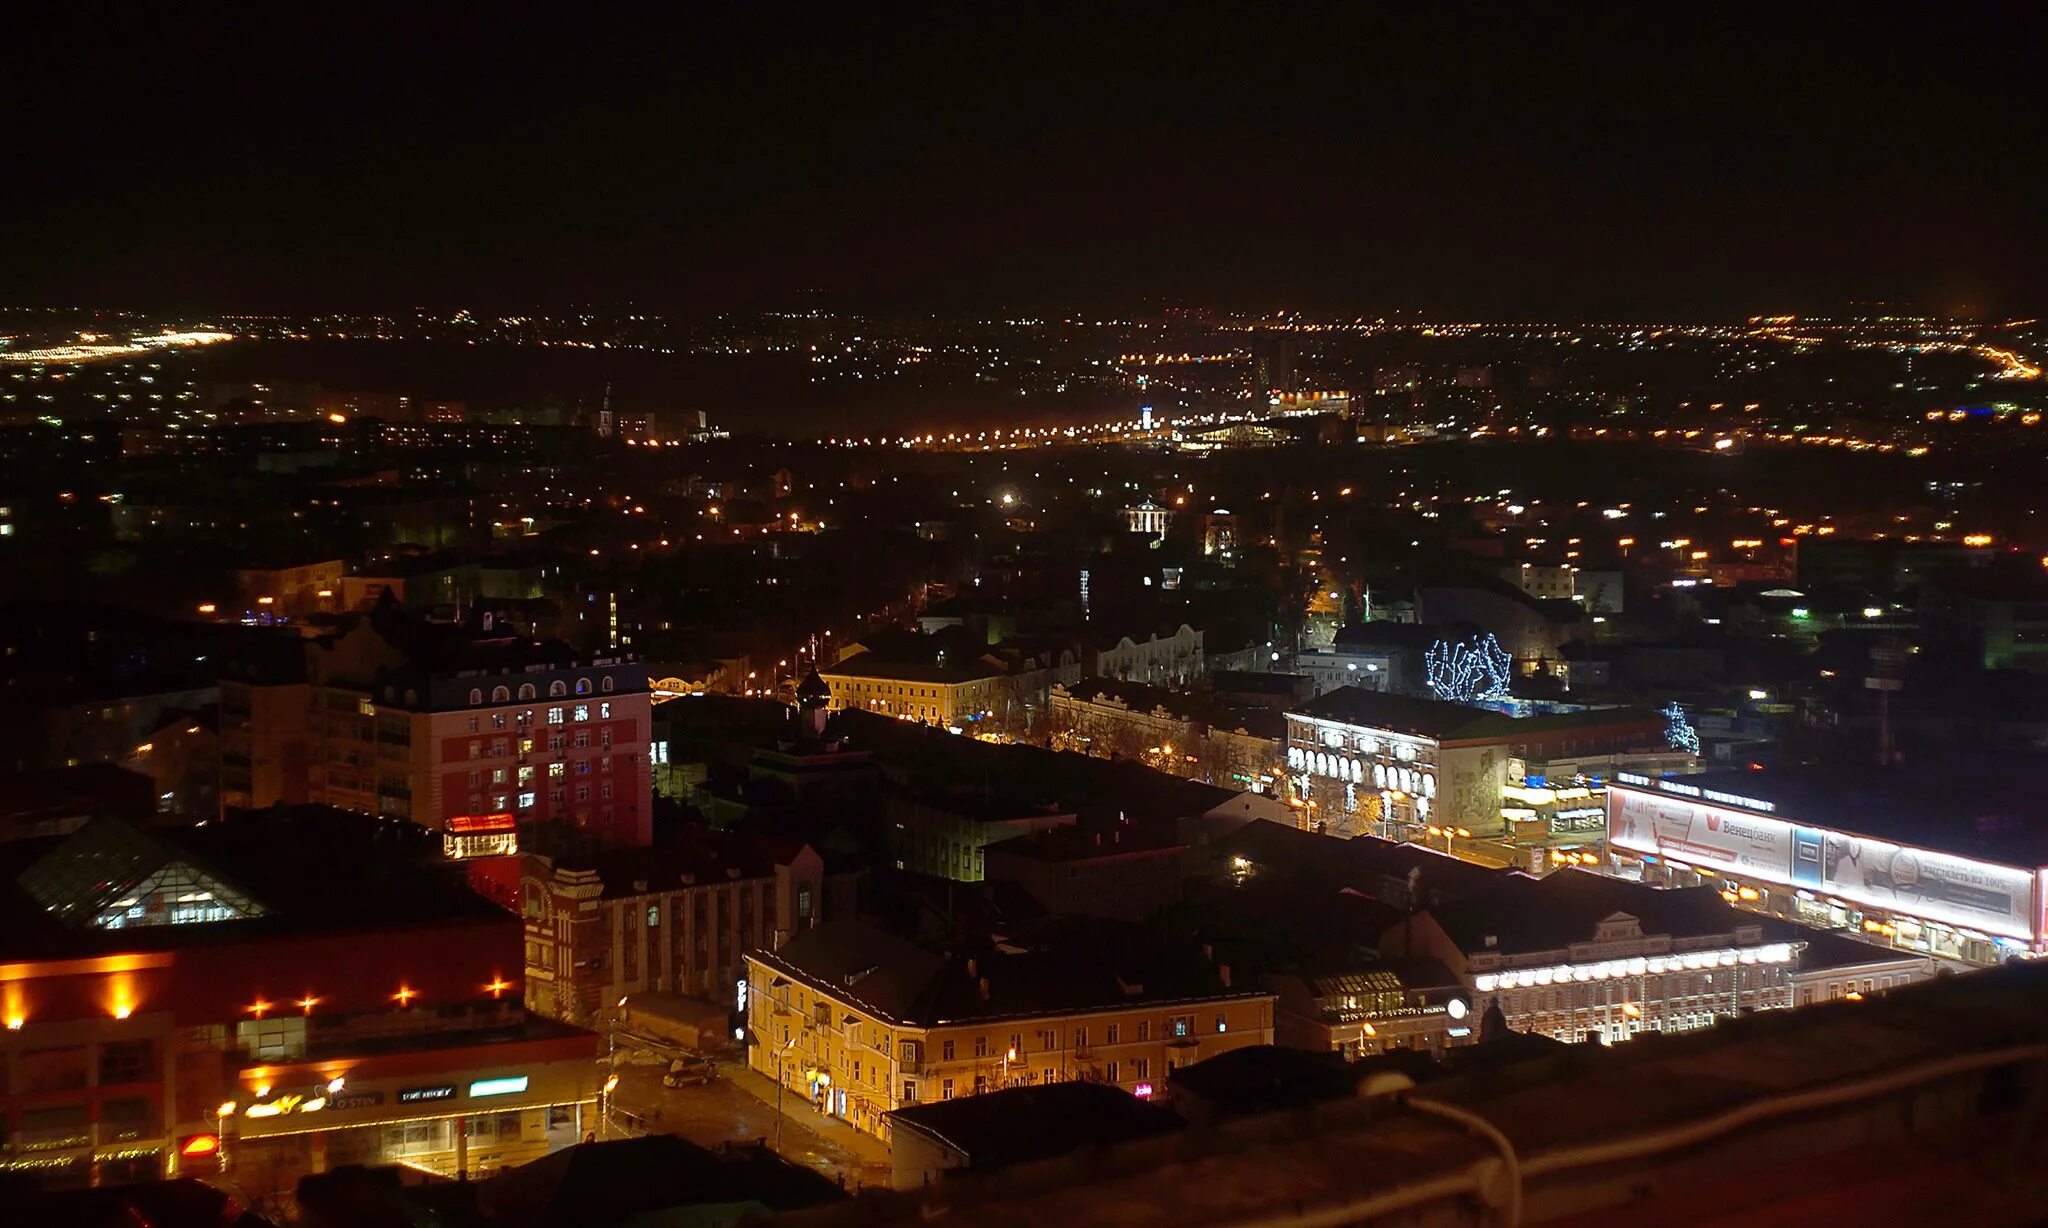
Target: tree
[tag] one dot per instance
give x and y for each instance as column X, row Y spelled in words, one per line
column 1477, row 669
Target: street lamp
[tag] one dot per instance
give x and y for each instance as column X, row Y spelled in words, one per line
column 780, row 1055
column 611, row 1082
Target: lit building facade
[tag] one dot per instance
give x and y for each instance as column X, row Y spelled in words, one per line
column 1579, row 957
column 498, row 745
column 1771, row 845
column 1370, row 763
column 1148, row 517
column 1373, row 1008
column 953, row 696
column 670, row 920
column 859, row 1024
column 176, row 1024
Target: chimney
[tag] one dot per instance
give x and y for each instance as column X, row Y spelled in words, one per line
column 1492, row 941
column 984, row 989
column 1223, row 974
column 971, row 973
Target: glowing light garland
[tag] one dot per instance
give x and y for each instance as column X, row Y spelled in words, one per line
column 1679, row 733
column 1478, row 669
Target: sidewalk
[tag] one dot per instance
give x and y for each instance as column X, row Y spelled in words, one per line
column 797, row 1108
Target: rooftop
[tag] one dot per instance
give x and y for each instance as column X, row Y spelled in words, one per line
column 1523, row 915
column 697, row 855
column 1444, row 721
column 301, row 870
column 1033, row 1123
column 1089, row 966
column 1068, row 842
column 1965, row 814
column 1760, row 1119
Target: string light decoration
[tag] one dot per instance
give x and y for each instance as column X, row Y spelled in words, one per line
column 1678, row 732
column 1474, row 670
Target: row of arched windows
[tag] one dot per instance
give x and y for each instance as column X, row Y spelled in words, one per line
column 556, row 689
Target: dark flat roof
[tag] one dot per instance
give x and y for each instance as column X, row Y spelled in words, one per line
column 1451, row 722
column 1034, row 1123
column 1523, row 915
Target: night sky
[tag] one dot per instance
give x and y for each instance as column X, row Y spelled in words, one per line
column 1550, row 163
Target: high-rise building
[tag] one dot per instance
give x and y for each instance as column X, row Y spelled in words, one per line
column 498, row 744
column 1272, row 363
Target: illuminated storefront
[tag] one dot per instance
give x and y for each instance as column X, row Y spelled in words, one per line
column 1682, row 833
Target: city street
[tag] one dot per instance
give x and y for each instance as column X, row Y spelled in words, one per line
column 738, row 1106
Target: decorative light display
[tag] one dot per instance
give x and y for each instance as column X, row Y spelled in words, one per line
column 1679, row 733
column 1477, row 669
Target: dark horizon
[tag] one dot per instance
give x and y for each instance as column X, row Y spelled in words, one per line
column 1552, row 165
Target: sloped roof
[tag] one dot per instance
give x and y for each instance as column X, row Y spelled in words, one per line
column 108, row 860
column 1087, row 966
column 1524, row 915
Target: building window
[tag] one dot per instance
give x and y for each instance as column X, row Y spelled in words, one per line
column 1142, row 1067
column 500, row 695
column 910, row 1091
column 945, row 1087
column 1109, row 1034
column 476, row 696
column 1112, row 1072
column 1222, row 1022
column 557, row 688
column 1181, row 1025
column 127, row 1061
column 557, row 769
column 1144, row 1031
column 946, row 1051
column 555, row 714
column 981, row 1046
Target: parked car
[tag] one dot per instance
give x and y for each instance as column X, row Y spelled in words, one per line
column 690, row 1072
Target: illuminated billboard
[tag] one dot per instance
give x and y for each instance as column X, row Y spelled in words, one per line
column 1941, row 887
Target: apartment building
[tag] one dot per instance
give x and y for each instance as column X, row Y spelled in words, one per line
column 860, row 1023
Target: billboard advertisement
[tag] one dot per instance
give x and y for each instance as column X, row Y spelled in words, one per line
column 1957, row 891
column 1711, row 837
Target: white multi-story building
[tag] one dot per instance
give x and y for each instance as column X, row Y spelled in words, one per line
column 1578, row 956
column 1376, row 764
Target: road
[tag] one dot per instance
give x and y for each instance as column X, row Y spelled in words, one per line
column 725, row 1112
